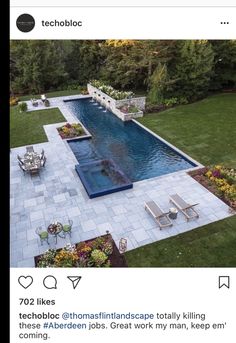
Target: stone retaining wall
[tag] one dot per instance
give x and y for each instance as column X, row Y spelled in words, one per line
column 113, row 105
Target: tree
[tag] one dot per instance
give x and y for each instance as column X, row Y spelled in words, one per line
column 84, row 60
column 38, row 66
column 130, row 63
column 224, row 64
column 191, row 69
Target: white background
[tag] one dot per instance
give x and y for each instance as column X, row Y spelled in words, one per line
column 130, row 23
column 131, row 290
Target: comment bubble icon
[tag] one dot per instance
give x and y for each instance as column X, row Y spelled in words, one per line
column 50, row 282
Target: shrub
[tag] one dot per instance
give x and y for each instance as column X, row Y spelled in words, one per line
column 13, row 100
column 46, row 103
column 110, row 91
column 22, row 107
column 98, row 257
column 47, row 259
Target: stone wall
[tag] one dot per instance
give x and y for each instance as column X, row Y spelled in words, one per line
column 113, row 105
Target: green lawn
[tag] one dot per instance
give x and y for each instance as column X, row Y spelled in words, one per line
column 50, row 94
column 206, row 130
column 27, row 128
column 213, row 245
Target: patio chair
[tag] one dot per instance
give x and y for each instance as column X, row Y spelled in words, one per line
column 41, row 156
column 34, row 102
column 187, row 209
column 20, row 160
column 34, row 171
column 160, row 217
column 30, row 148
column 43, row 235
column 22, row 167
column 67, row 228
column 43, row 161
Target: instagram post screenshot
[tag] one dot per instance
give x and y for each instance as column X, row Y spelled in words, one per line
column 122, row 171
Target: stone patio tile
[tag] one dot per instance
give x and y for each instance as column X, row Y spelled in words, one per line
column 73, row 212
column 30, row 251
column 25, row 263
column 148, row 223
column 133, row 218
column 99, row 208
column 15, row 180
column 36, row 215
column 88, row 225
column 140, row 235
column 31, row 235
column 89, row 235
column 119, row 209
column 145, row 242
column 40, row 188
column 72, row 192
column 21, row 235
column 119, row 218
column 104, row 227
column 60, row 197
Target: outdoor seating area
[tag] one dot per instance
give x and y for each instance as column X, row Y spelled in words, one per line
column 163, row 219
column 32, row 161
column 55, row 229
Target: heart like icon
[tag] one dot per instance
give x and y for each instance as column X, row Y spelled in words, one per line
column 25, row 281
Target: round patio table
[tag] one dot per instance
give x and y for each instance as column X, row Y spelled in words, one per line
column 55, row 229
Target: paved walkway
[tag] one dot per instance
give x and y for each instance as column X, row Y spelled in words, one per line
column 57, row 194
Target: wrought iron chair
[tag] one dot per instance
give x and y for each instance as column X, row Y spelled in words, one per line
column 30, row 148
column 43, row 161
column 67, row 228
column 20, row 159
column 41, row 156
column 43, row 235
column 22, row 167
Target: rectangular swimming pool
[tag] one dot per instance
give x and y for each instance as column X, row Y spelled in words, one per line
column 138, row 153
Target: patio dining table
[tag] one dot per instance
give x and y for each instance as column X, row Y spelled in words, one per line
column 32, row 161
column 55, row 229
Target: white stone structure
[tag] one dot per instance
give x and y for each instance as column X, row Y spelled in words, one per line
column 114, row 105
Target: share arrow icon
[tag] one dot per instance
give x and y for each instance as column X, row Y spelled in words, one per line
column 75, row 280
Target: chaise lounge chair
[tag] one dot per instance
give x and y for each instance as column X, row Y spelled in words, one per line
column 160, row 217
column 184, row 207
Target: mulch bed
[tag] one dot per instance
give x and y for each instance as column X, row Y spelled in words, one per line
column 199, row 176
column 116, row 258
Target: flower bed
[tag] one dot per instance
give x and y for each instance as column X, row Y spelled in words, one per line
column 70, row 131
column 109, row 90
column 219, row 180
column 97, row 252
column 129, row 109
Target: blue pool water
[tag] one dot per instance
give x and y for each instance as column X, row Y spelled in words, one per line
column 139, row 154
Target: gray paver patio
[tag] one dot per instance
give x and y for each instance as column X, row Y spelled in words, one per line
column 57, row 194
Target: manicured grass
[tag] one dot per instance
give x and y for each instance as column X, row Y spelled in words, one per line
column 50, row 94
column 213, row 245
column 27, row 128
column 205, row 130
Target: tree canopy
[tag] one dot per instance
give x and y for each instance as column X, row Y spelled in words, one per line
column 186, row 70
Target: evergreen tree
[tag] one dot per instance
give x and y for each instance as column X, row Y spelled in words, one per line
column 38, row 66
column 224, row 64
column 191, row 69
column 84, row 61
